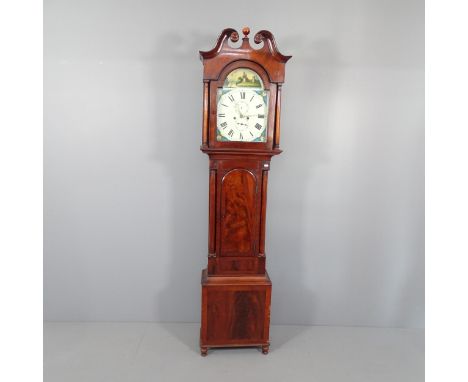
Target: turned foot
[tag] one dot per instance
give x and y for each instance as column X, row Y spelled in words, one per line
column 203, row 351
column 265, row 349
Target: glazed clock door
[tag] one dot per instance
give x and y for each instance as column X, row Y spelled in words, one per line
column 242, row 108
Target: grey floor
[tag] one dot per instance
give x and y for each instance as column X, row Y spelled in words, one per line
column 89, row 352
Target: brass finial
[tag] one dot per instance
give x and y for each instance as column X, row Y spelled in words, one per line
column 246, row 31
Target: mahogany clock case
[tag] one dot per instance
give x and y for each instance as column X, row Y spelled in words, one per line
column 236, row 289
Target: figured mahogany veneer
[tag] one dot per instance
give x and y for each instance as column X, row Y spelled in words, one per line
column 235, row 311
column 236, row 289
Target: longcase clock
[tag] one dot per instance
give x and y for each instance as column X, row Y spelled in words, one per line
column 241, row 132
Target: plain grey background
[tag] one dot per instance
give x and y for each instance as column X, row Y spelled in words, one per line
column 125, row 214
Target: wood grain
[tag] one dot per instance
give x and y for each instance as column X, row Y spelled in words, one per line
column 238, row 213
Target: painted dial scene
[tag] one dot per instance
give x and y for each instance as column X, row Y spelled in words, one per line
column 242, row 108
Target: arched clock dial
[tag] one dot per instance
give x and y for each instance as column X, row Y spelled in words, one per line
column 242, row 108
column 241, row 115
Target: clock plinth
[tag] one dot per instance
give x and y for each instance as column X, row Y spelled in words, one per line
column 241, row 131
column 235, row 311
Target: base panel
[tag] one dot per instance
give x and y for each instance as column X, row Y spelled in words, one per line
column 235, row 311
